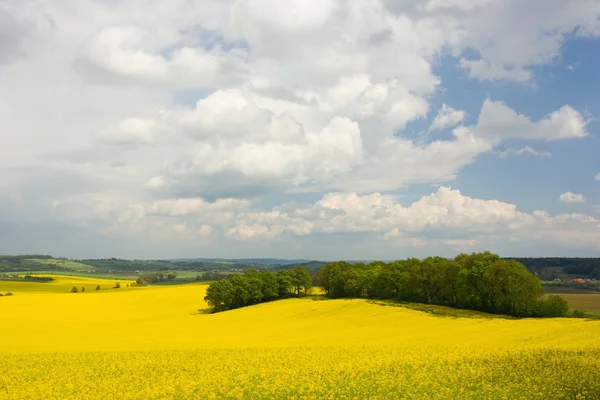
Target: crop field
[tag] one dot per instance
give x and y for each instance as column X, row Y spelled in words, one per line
column 61, row 284
column 588, row 302
column 160, row 342
column 75, row 266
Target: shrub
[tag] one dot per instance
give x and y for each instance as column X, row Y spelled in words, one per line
column 117, row 286
column 98, row 287
column 1, row 295
column 556, row 306
column 82, row 289
column 74, row 289
column 8, row 294
column 578, row 314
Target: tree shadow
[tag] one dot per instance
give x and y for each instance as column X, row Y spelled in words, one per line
column 202, row 311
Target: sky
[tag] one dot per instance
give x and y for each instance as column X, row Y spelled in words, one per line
column 329, row 129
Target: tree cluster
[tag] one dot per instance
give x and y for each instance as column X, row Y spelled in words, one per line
column 212, row 276
column 548, row 266
column 156, row 277
column 479, row 281
column 26, row 278
column 253, row 287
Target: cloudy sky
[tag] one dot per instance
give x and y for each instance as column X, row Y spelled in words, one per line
column 325, row 129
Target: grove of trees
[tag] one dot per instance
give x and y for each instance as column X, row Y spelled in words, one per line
column 479, row 281
column 547, row 266
column 253, row 287
column 156, row 277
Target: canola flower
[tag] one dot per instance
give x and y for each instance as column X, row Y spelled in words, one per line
column 304, row 373
column 154, row 343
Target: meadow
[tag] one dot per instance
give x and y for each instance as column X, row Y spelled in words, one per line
column 160, row 342
column 69, row 264
column 589, row 303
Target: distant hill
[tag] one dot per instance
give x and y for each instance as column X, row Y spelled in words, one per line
column 255, row 261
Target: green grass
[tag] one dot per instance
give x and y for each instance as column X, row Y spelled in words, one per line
column 68, row 264
column 127, row 265
column 569, row 287
column 442, row 311
column 72, row 273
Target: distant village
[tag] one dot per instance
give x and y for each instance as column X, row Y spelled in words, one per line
column 576, row 280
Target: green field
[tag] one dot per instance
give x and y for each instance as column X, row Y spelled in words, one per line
column 68, row 264
column 82, row 274
column 588, row 303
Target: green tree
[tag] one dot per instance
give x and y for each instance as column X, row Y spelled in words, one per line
column 321, row 280
column 301, row 280
column 333, row 281
column 510, row 288
column 552, row 307
column 254, row 286
column 471, row 288
column 284, row 283
column 219, row 295
column 98, row 287
column 242, row 295
column 270, row 286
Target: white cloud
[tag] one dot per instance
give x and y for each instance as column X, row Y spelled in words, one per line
column 131, row 131
column 180, row 207
column 447, row 117
column 497, row 121
column 444, row 218
column 509, row 51
column 155, row 115
column 569, row 197
column 447, row 211
column 235, row 133
column 128, row 51
column 597, row 177
column 484, row 70
column 523, row 151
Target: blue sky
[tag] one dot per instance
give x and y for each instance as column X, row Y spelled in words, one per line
column 533, row 182
column 326, row 130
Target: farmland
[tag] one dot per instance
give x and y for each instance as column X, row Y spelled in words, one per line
column 60, row 284
column 161, row 342
column 588, row 302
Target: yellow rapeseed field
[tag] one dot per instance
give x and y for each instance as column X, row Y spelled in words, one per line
column 61, row 284
column 160, row 343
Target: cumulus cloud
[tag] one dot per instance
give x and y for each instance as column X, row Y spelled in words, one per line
column 161, row 115
column 130, row 51
column 447, row 117
column 236, row 134
column 569, row 197
column 597, row 177
column 446, row 219
column 497, row 121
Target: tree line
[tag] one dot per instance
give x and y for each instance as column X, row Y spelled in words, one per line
column 157, row 277
column 25, row 278
column 253, row 287
column 546, row 266
column 479, row 281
